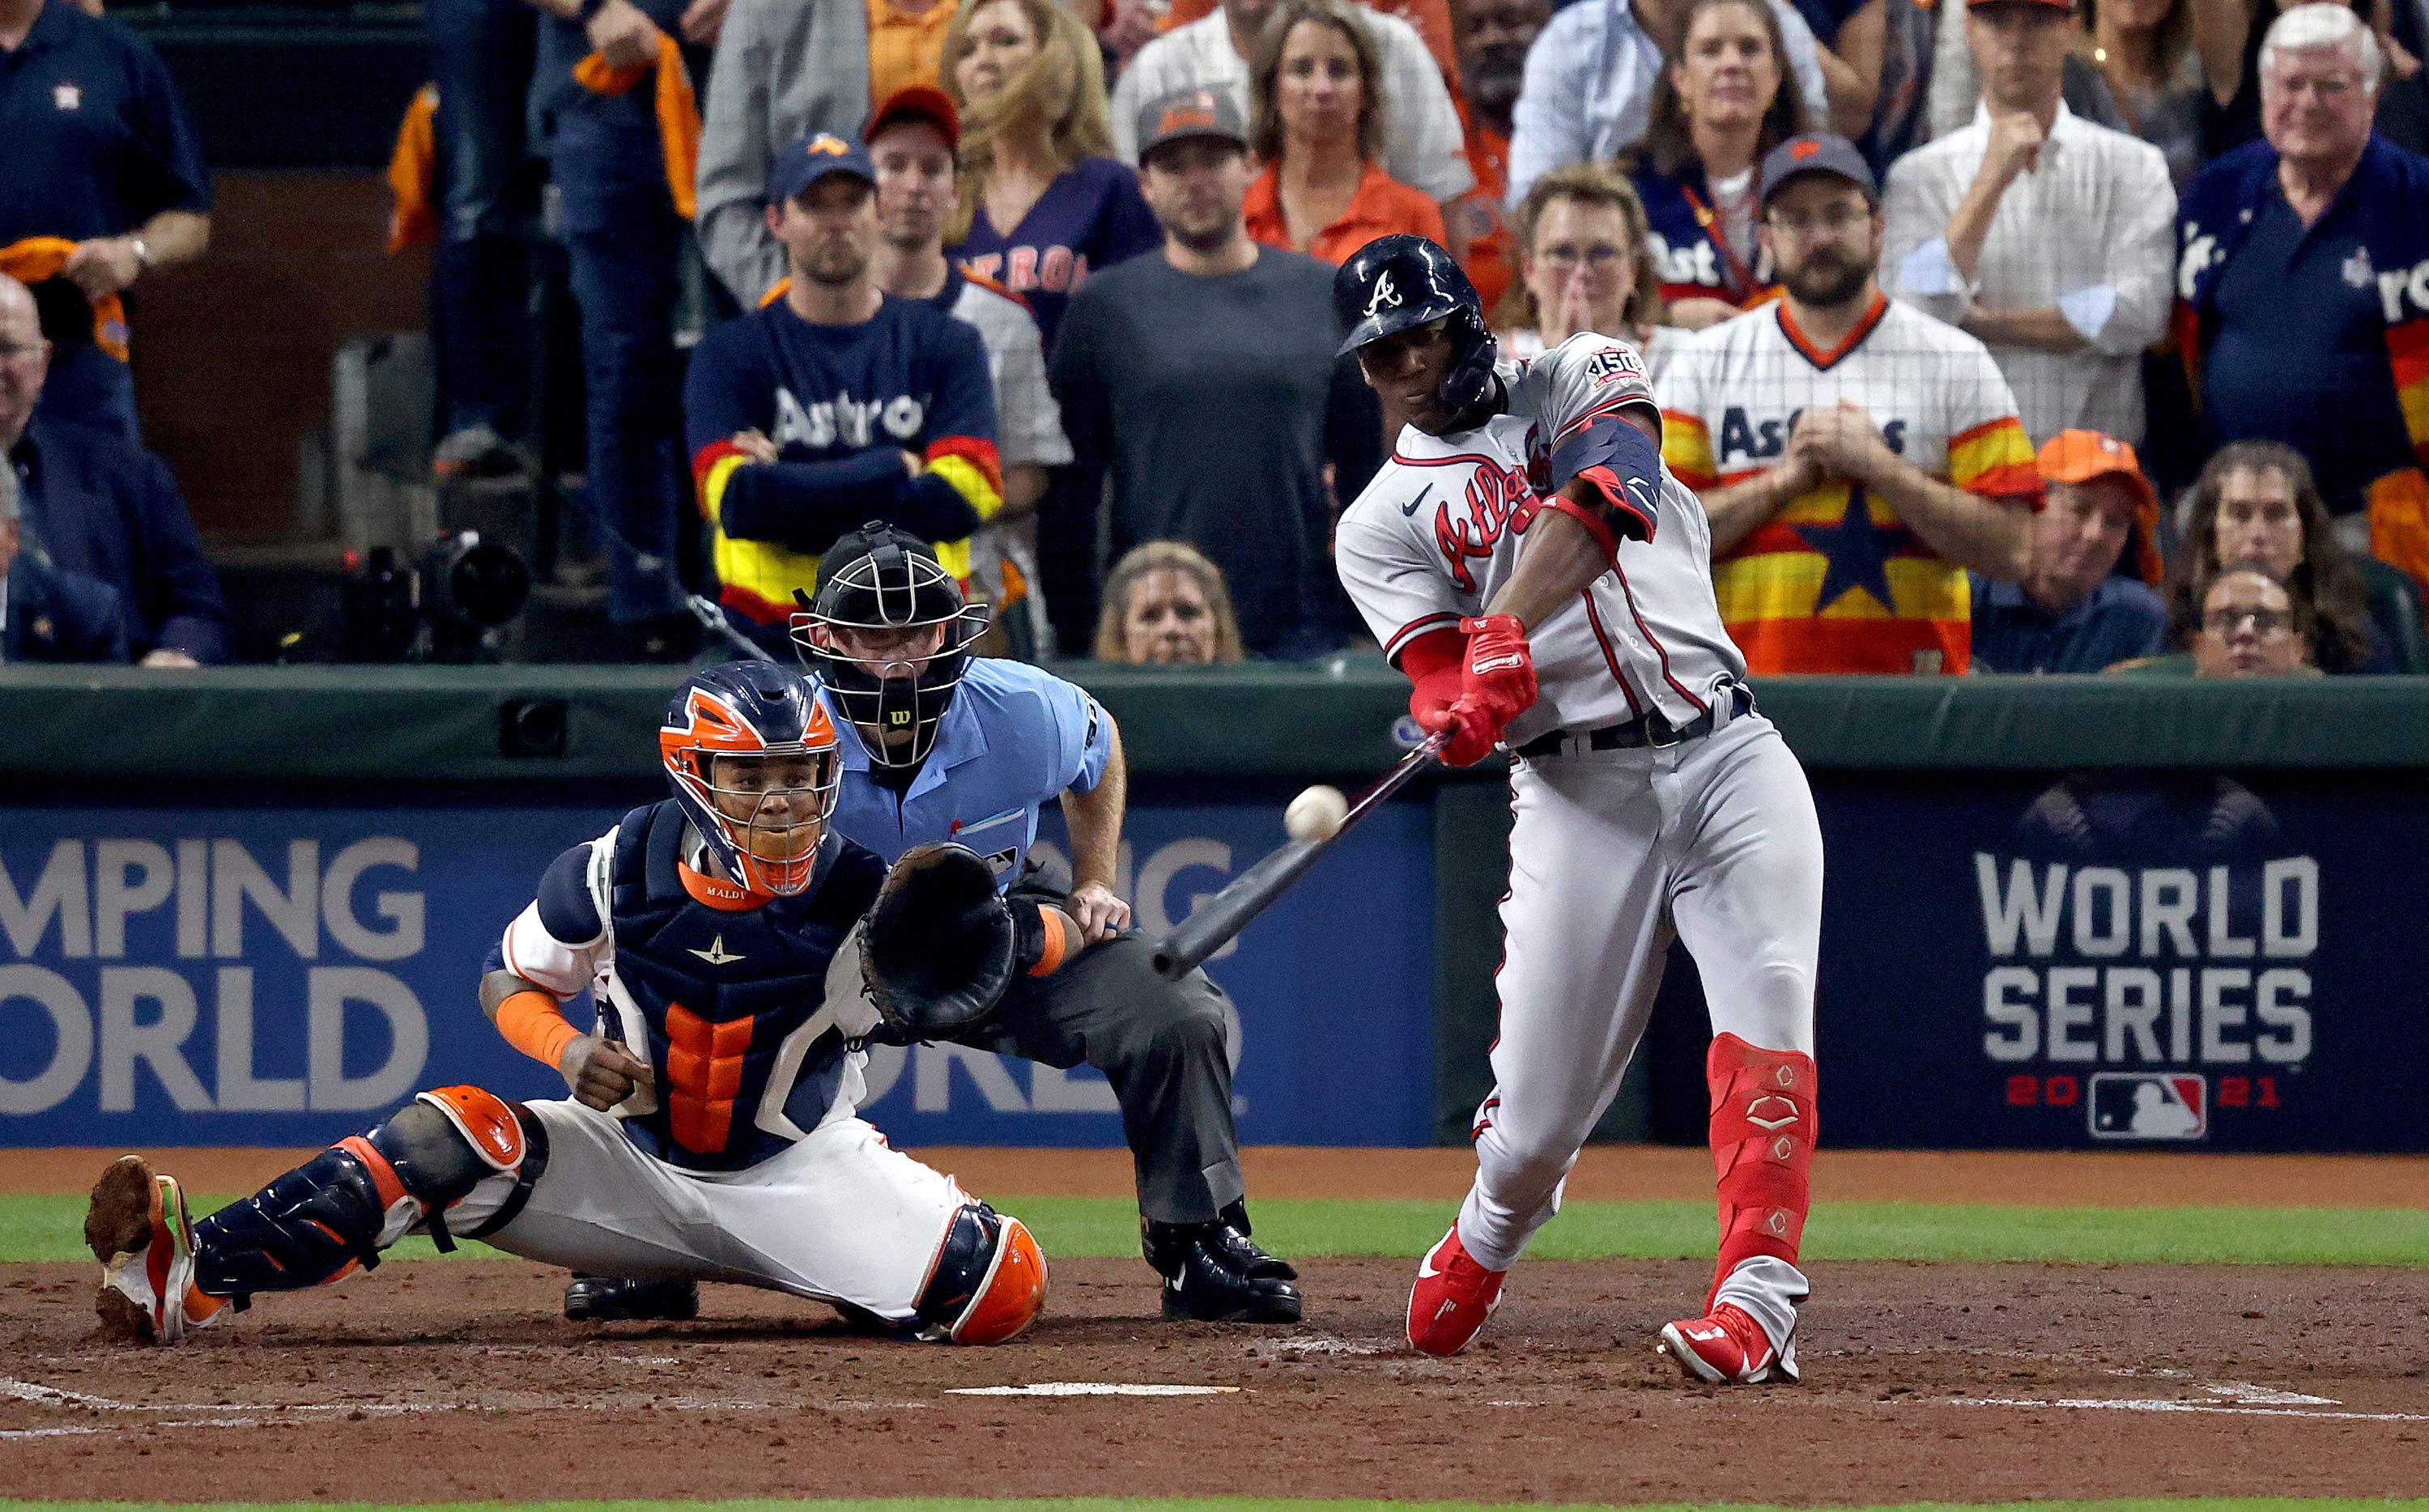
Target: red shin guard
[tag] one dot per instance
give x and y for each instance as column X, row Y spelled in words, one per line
column 1763, row 1129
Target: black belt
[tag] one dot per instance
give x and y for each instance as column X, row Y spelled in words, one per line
column 1654, row 730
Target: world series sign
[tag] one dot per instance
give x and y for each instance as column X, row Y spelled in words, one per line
column 2123, row 960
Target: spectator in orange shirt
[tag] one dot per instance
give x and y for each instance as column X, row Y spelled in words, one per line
column 1319, row 126
column 1494, row 35
column 1726, row 98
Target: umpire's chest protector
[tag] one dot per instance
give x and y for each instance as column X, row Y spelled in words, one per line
column 751, row 1010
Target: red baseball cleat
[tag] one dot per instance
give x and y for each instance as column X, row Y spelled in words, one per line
column 1452, row 1298
column 1728, row 1348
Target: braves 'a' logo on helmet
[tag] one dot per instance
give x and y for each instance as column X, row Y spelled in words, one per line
column 1385, row 296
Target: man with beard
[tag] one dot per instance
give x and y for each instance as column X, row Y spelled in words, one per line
column 1492, row 36
column 1203, row 380
column 835, row 403
column 1857, row 457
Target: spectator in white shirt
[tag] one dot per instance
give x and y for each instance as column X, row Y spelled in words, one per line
column 2046, row 237
column 1591, row 76
column 1424, row 145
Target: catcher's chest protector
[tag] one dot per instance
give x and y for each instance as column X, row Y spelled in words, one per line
column 748, row 1047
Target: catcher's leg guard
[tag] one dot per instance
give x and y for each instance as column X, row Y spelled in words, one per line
column 988, row 1280
column 1763, row 1129
column 341, row 1209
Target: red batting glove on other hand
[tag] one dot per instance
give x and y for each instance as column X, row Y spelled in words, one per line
column 1472, row 735
column 1498, row 679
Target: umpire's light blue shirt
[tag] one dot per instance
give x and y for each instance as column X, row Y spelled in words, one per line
column 1013, row 739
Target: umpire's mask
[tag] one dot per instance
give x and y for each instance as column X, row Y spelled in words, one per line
column 888, row 636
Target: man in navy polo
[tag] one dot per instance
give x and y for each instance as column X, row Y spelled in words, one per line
column 104, row 508
column 2070, row 613
column 101, row 180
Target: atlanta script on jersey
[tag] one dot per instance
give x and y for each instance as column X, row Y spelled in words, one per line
column 1836, row 581
column 1437, row 532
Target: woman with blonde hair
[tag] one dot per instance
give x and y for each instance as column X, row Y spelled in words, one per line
column 1165, row 602
column 1043, row 199
column 1583, row 264
column 1318, row 84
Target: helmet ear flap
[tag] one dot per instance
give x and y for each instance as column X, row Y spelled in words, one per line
column 1469, row 381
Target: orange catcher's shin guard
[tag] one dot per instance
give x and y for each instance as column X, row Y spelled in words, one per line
column 1763, row 1129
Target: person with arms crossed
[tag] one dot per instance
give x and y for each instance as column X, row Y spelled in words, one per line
column 834, row 404
column 1546, row 585
column 711, row 1132
column 939, row 744
column 1856, row 457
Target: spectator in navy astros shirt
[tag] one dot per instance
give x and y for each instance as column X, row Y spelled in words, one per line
column 1043, row 201
column 101, row 181
column 834, row 406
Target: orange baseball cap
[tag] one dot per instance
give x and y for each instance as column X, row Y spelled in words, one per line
column 917, row 101
column 2079, row 456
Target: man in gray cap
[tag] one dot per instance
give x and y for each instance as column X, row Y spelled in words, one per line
column 1165, row 362
column 1855, row 456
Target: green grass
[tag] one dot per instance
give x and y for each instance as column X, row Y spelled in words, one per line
column 1242, row 1503
column 50, row 1228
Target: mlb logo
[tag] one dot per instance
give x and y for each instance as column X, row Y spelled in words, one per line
column 2128, row 1105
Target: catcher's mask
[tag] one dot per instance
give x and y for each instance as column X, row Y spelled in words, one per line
column 889, row 636
column 756, row 766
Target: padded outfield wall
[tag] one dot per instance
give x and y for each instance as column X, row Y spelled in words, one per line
column 248, row 907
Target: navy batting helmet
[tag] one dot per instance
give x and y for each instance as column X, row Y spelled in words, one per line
column 1403, row 280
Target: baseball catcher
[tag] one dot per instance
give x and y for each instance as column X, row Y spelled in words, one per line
column 741, row 954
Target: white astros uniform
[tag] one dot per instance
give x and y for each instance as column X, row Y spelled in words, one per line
column 1613, row 853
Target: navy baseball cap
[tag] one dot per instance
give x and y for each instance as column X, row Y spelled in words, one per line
column 1818, row 153
column 813, row 157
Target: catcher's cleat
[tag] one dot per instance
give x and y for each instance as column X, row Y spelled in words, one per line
column 1452, row 1297
column 137, row 1226
column 1214, row 1273
column 620, row 1299
column 1728, row 1348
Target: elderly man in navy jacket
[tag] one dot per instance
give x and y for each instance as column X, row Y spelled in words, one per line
column 46, row 615
column 105, row 508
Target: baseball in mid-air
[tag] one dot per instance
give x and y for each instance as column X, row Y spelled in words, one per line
column 1317, row 814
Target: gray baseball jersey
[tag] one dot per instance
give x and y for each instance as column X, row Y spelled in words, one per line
column 1438, row 531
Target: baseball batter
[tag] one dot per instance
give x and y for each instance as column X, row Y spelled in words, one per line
column 1546, row 585
column 711, row 1132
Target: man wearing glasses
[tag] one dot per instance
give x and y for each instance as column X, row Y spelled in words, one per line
column 1857, row 457
column 2251, row 627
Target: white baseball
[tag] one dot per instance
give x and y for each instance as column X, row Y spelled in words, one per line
column 1317, row 814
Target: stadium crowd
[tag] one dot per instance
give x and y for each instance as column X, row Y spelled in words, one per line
column 1997, row 336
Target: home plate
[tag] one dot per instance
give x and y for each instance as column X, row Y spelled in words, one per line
column 1090, row 1389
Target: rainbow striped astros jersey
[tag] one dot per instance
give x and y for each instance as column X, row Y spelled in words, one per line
column 1835, row 581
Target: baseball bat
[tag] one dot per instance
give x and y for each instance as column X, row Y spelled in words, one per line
column 1246, row 896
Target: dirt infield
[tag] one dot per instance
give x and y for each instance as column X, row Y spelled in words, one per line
column 433, row 1381
column 1608, row 1172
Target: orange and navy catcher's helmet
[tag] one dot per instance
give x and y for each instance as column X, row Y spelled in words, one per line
column 761, row 711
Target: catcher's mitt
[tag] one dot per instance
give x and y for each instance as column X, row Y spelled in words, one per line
column 936, row 950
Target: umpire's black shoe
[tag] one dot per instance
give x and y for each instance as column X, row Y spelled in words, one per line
column 616, row 1299
column 1214, row 1273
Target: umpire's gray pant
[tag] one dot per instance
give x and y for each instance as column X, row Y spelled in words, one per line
column 1160, row 1043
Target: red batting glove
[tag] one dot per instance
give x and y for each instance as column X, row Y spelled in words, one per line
column 1472, row 735
column 1498, row 679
